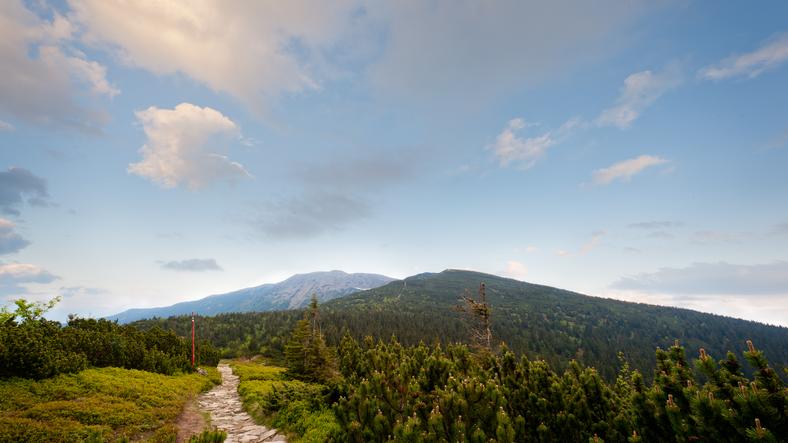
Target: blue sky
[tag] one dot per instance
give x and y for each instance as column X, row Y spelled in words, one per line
column 625, row 149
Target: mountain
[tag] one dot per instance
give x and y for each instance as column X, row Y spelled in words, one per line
column 535, row 320
column 293, row 293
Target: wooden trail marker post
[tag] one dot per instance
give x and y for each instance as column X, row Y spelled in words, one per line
column 192, row 339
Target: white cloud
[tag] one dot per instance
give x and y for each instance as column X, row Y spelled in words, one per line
column 42, row 75
column 626, row 169
column 510, row 148
column 10, row 241
column 253, row 50
column 185, row 146
column 640, row 90
column 531, row 248
column 515, row 269
column 12, row 274
column 769, row 56
column 6, row 127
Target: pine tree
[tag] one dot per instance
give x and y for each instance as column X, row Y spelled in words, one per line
column 308, row 357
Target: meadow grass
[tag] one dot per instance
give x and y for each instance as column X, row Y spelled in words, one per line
column 103, row 404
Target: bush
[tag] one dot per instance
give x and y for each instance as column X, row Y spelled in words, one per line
column 209, row 436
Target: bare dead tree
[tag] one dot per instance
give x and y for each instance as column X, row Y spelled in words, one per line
column 478, row 313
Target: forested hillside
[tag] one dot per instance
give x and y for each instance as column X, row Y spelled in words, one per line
column 538, row 321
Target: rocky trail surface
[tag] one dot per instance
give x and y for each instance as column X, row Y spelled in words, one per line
column 227, row 412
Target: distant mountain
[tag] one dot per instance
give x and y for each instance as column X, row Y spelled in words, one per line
column 293, row 293
column 535, row 320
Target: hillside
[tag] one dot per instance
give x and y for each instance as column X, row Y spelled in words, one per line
column 541, row 321
column 293, row 293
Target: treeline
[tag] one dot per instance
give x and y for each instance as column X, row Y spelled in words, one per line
column 539, row 321
column 390, row 392
column 551, row 337
column 32, row 347
column 383, row 391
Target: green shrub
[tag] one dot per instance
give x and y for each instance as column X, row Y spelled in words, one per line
column 292, row 406
column 209, row 436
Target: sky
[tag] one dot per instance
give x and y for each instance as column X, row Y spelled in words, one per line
column 157, row 152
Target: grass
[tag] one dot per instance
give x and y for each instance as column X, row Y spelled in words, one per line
column 293, row 406
column 105, row 404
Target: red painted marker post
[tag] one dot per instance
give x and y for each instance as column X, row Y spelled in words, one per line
column 192, row 339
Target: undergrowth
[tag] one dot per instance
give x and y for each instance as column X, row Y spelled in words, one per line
column 293, row 406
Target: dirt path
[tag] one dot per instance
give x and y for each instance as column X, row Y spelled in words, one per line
column 190, row 422
column 227, row 412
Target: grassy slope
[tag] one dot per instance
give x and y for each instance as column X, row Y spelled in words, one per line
column 105, row 404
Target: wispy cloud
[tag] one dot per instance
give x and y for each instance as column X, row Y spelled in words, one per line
column 591, row 244
column 640, row 90
column 6, row 127
column 769, row 56
column 712, row 236
column 666, row 224
column 712, row 279
column 310, row 215
column 78, row 291
column 10, row 241
column 192, row 265
column 17, row 186
column 626, row 169
column 511, row 148
column 364, row 171
column 186, row 146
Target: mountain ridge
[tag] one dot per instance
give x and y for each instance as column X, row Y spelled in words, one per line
column 291, row 293
column 534, row 320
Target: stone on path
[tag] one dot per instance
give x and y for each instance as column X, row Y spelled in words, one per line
column 227, row 412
